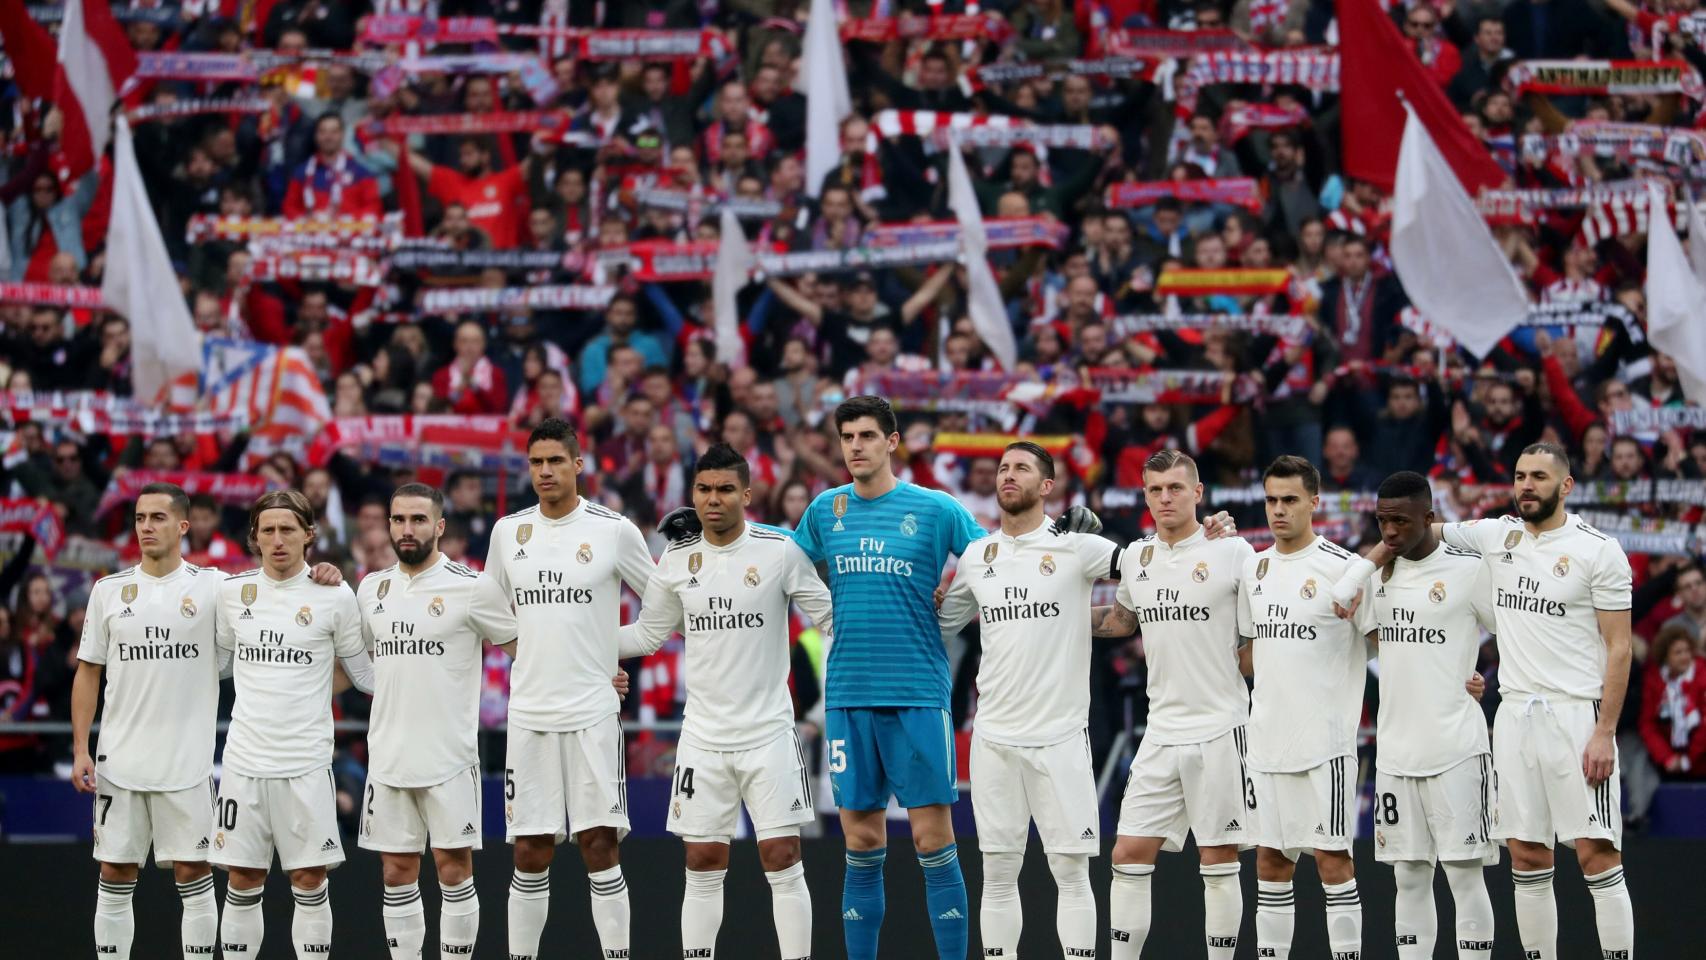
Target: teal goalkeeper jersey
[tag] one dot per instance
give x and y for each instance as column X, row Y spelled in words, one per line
column 885, row 559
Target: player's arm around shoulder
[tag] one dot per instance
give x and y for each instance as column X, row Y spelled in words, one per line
column 1099, row 555
column 1118, row 619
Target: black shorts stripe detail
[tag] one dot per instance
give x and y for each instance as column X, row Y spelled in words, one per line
column 1338, row 800
column 805, row 775
column 1486, row 801
column 622, row 772
column 1238, row 737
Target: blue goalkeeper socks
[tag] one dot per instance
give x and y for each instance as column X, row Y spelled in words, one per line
column 862, row 902
column 945, row 898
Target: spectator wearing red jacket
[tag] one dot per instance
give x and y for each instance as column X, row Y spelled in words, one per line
column 331, row 183
column 471, row 382
column 1436, row 53
column 1672, row 701
column 496, row 201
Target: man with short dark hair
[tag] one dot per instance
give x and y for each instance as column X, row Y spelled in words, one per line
column 331, row 183
column 728, row 592
column 496, row 200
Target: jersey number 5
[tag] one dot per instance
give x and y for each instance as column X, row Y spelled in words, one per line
column 837, row 756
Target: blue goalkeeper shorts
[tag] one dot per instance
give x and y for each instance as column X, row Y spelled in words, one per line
column 879, row 752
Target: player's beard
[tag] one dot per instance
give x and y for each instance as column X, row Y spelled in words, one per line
column 1541, row 510
column 416, row 555
column 1026, row 499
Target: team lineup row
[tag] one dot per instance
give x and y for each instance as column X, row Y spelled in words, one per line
column 1271, row 767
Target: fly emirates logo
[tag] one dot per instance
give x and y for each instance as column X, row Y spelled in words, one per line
column 722, row 615
column 870, row 559
column 551, row 590
column 1017, row 605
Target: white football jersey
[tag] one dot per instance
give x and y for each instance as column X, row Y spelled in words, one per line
column 1546, row 590
column 731, row 605
column 1032, row 594
column 155, row 637
column 1186, row 600
column 284, row 636
column 1429, row 615
column 565, row 579
column 1311, row 667
column 424, row 633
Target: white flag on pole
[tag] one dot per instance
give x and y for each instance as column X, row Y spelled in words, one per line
column 1676, row 298
column 1452, row 268
column 983, row 300
column 140, row 284
column 734, row 263
column 827, row 98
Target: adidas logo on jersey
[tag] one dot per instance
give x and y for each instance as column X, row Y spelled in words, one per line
column 693, row 581
column 1232, row 825
column 1470, row 839
column 797, row 806
column 952, row 913
column 1088, row 834
column 1320, row 830
column 616, row 808
column 125, row 613
column 245, row 615
column 467, row 829
column 989, row 573
column 1256, row 592
column 1593, row 818
column 520, row 555
column 202, row 844
column 851, row 914
column 328, row 845
column 378, row 608
column 1381, row 592
column 1142, row 575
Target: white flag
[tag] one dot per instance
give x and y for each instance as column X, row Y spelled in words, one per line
column 827, row 98
column 734, row 263
column 1676, row 300
column 140, row 284
column 1452, row 268
column 983, row 300
column 1696, row 237
column 88, row 74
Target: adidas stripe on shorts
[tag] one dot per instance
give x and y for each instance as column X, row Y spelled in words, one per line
column 709, row 787
column 1053, row 785
column 444, row 816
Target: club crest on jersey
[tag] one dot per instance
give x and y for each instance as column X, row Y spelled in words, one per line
column 1308, row 591
column 523, row 534
column 839, row 505
column 989, row 552
column 1200, row 574
column 1562, row 567
column 1437, row 594
column 1380, row 838
column 187, row 608
column 909, row 525
column 751, row 579
column 1261, row 568
column 249, row 592
column 304, row 617
column 1147, row 555
column 584, row 554
column 219, row 840
column 1512, row 539
column 384, row 588
column 436, row 607
column 128, row 594
column 1046, row 567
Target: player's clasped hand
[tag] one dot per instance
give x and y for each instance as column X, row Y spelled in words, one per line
column 1076, row 519
column 679, row 524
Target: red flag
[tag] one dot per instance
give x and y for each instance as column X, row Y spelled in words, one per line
column 30, row 48
column 95, row 60
column 1377, row 65
column 408, row 193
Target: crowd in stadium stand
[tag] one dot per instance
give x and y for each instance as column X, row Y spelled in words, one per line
column 1359, row 383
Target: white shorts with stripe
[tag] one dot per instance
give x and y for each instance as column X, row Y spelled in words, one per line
column 407, row 819
column 558, row 783
column 1053, row 785
column 1539, row 792
column 174, row 823
column 1448, row 816
column 1200, row 788
column 296, row 816
column 1309, row 810
column 709, row 787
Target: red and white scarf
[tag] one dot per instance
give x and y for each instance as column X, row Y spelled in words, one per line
column 338, row 177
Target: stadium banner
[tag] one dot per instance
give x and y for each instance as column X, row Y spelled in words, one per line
column 970, row 26
column 197, row 106
column 468, row 64
column 1622, row 141
column 317, row 266
column 1174, row 44
column 443, row 258
column 1004, row 233
column 701, row 206
column 386, row 29
column 1657, row 419
column 53, row 295
column 543, row 297
column 1591, row 313
column 336, row 232
column 1237, row 191
column 164, row 17
column 451, row 124
column 1510, row 203
column 861, row 258
column 1117, row 68
column 1061, row 136
column 36, row 518
column 1114, row 385
column 992, row 444
column 1313, row 68
column 247, row 67
column 230, row 489
column 396, row 438
column 92, row 411
column 1184, row 282
column 1238, row 122
column 1605, row 76
column 1286, row 325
